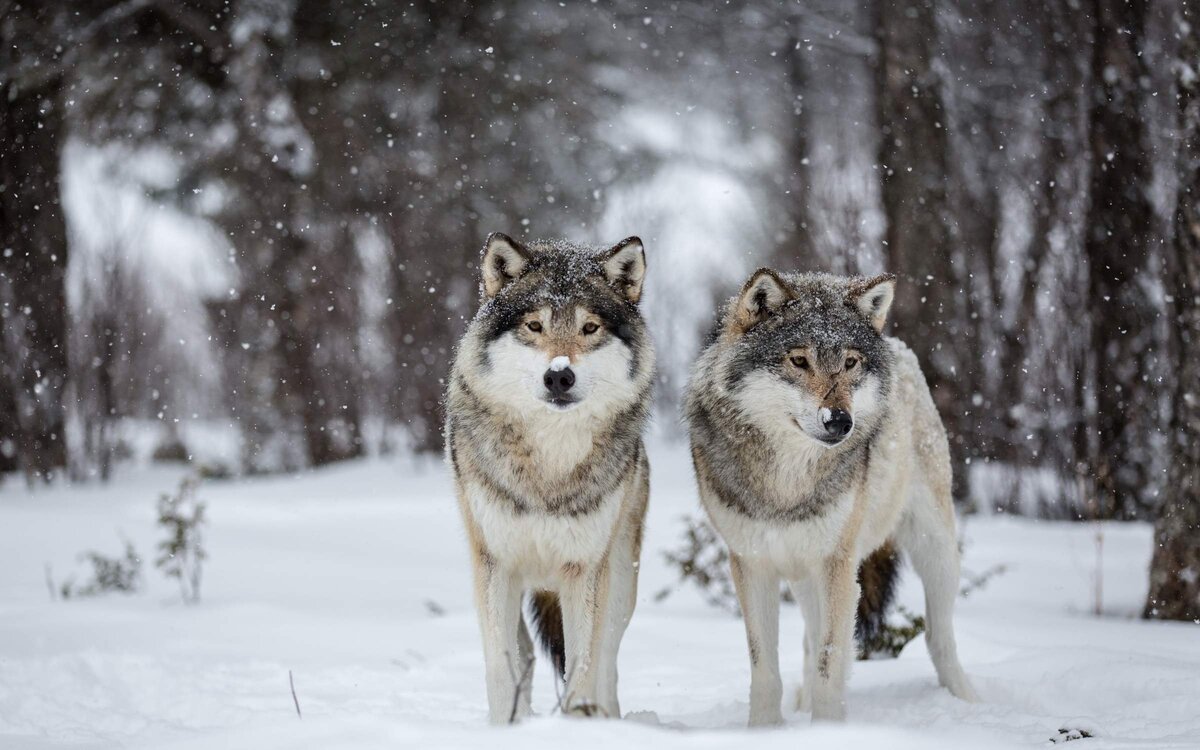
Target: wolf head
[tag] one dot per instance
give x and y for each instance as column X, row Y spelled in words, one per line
column 805, row 351
column 559, row 327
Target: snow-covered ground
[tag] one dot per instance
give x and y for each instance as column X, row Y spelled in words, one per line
column 355, row 578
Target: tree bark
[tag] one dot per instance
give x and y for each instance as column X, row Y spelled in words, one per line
column 8, row 421
column 300, row 399
column 1120, row 226
column 1175, row 566
column 1061, row 152
column 33, row 261
column 913, row 164
column 320, row 355
column 797, row 243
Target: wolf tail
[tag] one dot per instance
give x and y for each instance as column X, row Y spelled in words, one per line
column 546, row 617
column 877, row 576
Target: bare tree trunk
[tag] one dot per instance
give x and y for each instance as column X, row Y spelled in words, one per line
column 322, row 388
column 913, row 163
column 422, row 321
column 797, row 242
column 974, row 116
column 301, row 391
column 33, row 261
column 1060, row 151
column 1119, row 234
column 8, row 420
column 1175, row 567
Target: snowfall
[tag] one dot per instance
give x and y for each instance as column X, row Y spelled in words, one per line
column 355, row 580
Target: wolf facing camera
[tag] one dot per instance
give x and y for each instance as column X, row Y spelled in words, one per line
column 548, row 397
column 816, row 446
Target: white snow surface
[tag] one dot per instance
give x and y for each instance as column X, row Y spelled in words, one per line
column 558, row 364
column 356, row 579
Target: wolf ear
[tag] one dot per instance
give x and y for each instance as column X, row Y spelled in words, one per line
column 760, row 298
column 873, row 297
column 625, row 268
column 504, row 259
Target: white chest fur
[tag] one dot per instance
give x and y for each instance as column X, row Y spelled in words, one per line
column 790, row 549
column 542, row 544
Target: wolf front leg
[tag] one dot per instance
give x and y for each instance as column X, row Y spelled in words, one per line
column 623, row 560
column 758, row 593
column 838, row 597
column 507, row 661
column 622, row 594
column 585, row 600
column 622, row 577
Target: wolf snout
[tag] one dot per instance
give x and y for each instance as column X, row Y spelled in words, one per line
column 558, row 382
column 838, row 423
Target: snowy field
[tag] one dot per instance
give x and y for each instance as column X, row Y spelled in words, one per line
column 355, row 578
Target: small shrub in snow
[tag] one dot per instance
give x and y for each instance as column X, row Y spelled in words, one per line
column 1067, row 734
column 703, row 560
column 973, row 582
column 181, row 554
column 109, row 574
column 172, row 449
column 893, row 637
column 214, row 470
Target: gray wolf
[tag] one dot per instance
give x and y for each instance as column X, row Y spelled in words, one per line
column 816, row 443
column 546, row 404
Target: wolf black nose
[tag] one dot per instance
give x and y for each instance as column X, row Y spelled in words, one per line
column 839, row 423
column 559, row 382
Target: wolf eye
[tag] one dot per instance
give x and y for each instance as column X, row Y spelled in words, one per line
column 534, row 326
column 801, row 362
column 850, row 363
column 590, row 328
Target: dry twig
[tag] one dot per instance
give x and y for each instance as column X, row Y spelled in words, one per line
column 295, row 700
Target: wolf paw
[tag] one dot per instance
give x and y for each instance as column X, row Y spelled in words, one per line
column 962, row 689
column 765, row 718
column 586, row 709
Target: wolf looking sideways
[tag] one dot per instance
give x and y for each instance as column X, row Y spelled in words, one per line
column 547, row 400
column 816, row 443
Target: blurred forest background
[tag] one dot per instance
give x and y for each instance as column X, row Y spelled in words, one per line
column 246, row 231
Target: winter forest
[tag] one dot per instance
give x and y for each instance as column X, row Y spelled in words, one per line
column 239, row 241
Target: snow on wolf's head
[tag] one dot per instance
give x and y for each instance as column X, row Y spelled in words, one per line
column 559, row 328
column 806, row 352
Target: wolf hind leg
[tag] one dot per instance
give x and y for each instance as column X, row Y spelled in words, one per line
column 926, row 535
column 805, row 594
column 758, row 593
